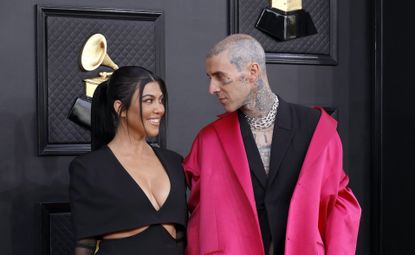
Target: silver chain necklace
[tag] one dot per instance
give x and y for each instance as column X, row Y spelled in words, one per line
column 266, row 121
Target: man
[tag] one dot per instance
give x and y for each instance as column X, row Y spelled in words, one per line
column 266, row 177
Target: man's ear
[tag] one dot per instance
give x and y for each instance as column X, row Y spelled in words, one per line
column 117, row 108
column 254, row 71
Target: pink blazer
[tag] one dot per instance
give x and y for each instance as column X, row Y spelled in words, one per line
column 323, row 216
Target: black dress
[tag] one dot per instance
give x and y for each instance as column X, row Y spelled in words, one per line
column 105, row 199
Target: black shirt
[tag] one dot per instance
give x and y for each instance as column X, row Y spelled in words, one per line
column 105, row 198
column 293, row 129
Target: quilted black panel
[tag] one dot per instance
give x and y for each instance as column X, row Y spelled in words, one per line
column 57, row 236
column 130, row 42
column 249, row 10
column 61, row 234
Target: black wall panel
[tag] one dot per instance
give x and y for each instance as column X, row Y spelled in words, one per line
column 191, row 27
column 396, row 141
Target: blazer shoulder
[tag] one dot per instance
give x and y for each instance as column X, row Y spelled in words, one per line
column 209, row 129
column 225, row 118
column 91, row 158
column 171, row 160
column 303, row 117
column 305, row 113
column 169, row 154
column 91, row 164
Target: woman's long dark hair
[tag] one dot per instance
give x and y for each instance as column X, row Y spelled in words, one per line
column 121, row 86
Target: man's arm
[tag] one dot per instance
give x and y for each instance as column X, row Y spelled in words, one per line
column 343, row 210
column 343, row 221
column 192, row 172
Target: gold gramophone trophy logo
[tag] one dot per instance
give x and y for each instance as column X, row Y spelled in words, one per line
column 94, row 54
column 286, row 20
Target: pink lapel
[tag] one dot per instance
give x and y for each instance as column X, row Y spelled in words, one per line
column 323, row 133
column 228, row 129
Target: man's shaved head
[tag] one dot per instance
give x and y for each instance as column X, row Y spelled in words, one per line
column 241, row 50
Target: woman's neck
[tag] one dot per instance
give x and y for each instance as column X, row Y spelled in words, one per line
column 128, row 142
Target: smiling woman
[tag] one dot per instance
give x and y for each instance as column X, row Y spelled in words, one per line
column 126, row 193
column 149, row 108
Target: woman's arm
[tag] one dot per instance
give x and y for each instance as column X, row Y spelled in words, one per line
column 85, row 247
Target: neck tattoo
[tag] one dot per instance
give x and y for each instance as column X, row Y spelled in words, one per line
column 266, row 121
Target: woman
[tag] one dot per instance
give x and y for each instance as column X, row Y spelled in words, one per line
column 126, row 193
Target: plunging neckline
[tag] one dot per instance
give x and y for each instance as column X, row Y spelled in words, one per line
column 138, row 185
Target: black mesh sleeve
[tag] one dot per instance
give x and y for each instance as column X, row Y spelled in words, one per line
column 85, row 247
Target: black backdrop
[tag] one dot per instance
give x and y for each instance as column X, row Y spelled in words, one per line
column 191, row 27
column 395, row 126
